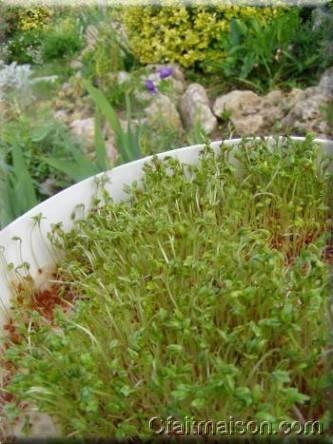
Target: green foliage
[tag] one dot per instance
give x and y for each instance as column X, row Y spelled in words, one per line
column 92, row 14
column 38, row 152
column 196, row 134
column 6, row 21
column 15, row 19
column 102, row 162
column 328, row 111
column 104, row 60
column 24, row 47
column 183, row 33
column 59, row 39
column 267, row 54
column 167, row 136
column 194, row 297
column 39, row 137
column 108, row 54
column 80, row 167
column 60, row 44
column 116, row 87
column 127, row 141
column 17, row 189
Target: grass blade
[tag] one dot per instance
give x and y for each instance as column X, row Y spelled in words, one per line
column 101, row 154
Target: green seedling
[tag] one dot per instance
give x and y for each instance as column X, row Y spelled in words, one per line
column 203, row 294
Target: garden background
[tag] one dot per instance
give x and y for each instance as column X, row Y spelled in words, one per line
column 85, row 88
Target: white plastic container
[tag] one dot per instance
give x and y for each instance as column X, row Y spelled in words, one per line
column 23, row 241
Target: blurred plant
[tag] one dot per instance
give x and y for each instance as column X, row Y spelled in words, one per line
column 63, row 40
column 165, row 72
column 93, row 15
column 266, row 54
column 105, row 54
column 36, row 43
column 33, row 18
column 184, row 34
column 39, row 158
column 15, row 79
column 120, row 85
column 16, row 18
column 24, row 47
column 39, row 136
column 127, row 141
column 196, row 134
column 165, row 137
column 151, row 87
column 24, row 28
column 4, row 23
column 328, row 110
column 326, row 21
column 162, row 82
column 80, row 166
column 17, row 188
column 105, row 61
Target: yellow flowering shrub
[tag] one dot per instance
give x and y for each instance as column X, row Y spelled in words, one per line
column 33, row 18
column 182, row 34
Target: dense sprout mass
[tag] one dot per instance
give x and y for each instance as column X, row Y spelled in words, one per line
column 203, row 294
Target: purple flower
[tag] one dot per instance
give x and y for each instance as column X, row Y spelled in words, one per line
column 150, row 85
column 165, row 72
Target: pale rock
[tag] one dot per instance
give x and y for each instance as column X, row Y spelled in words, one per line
column 61, row 115
column 178, row 73
column 76, row 64
column 163, row 108
column 326, row 82
column 298, row 110
column 271, row 108
column 178, row 86
column 48, row 187
column 91, row 37
column 292, row 98
column 122, row 77
column 110, row 135
column 243, row 109
column 310, row 91
column 307, row 113
column 154, row 77
column 119, row 77
column 85, row 129
column 248, row 125
column 135, row 123
column 77, row 115
column 66, row 87
column 143, row 96
column 195, row 108
column 3, row 108
column 111, row 150
column 273, row 98
column 41, row 425
column 237, row 103
column 78, row 76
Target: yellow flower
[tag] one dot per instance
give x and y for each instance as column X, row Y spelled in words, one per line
column 183, row 34
column 33, row 18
